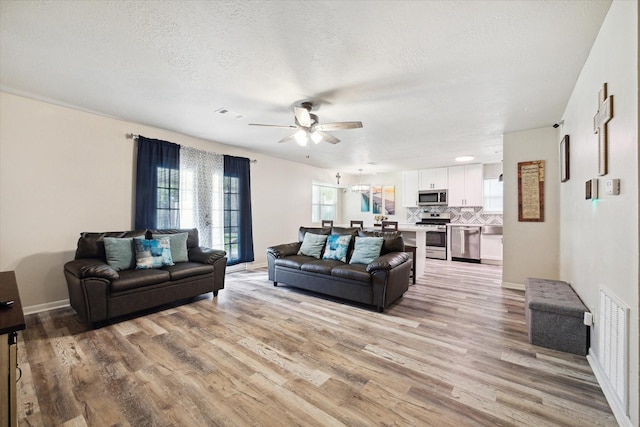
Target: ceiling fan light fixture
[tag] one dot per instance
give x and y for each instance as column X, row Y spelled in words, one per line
column 301, row 137
column 316, row 136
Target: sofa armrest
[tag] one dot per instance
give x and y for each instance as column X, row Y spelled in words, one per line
column 90, row 267
column 284, row 250
column 387, row 261
column 205, row 255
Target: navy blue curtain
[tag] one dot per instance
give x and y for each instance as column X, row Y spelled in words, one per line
column 157, row 184
column 238, row 227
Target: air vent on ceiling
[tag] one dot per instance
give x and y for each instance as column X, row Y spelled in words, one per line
column 225, row 112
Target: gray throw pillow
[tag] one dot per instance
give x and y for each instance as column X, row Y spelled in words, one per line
column 119, row 253
column 366, row 250
column 312, row 245
column 178, row 242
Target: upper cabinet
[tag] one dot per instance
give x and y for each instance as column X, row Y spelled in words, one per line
column 465, row 185
column 434, row 179
column 410, row 181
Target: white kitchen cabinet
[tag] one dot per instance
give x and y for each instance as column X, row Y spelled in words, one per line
column 434, row 179
column 410, row 181
column 465, row 185
column 491, row 249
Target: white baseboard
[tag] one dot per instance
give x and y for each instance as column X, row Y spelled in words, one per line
column 256, row 265
column 515, row 286
column 39, row 308
column 616, row 407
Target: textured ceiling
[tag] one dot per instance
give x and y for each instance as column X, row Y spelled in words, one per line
column 430, row 80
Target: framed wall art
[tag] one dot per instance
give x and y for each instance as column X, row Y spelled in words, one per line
column 531, row 191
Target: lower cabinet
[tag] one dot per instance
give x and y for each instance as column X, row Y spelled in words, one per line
column 491, row 249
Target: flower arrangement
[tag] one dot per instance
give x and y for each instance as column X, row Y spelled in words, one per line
column 379, row 218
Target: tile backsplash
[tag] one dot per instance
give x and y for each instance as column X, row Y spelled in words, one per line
column 458, row 215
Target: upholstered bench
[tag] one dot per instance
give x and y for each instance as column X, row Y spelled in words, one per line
column 555, row 315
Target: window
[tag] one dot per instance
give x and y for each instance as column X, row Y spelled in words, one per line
column 168, row 199
column 231, row 216
column 324, row 203
column 492, row 202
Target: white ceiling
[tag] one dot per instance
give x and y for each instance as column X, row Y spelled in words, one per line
column 430, row 80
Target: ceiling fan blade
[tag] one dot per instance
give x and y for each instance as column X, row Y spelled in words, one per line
column 329, row 138
column 338, row 126
column 274, row 126
column 287, row 139
column 302, row 116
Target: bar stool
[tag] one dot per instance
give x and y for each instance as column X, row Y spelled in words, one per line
column 327, row 223
column 355, row 223
column 393, row 226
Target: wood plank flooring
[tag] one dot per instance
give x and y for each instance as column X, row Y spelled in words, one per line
column 452, row 352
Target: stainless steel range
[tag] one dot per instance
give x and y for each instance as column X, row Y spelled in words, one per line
column 436, row 227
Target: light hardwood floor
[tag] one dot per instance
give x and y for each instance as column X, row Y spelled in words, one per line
column 452, row 352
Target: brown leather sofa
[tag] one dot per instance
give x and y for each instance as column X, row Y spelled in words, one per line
column 379, row 283
column 97, row 292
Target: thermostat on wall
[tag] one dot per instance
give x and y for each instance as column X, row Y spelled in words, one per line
column 612, row 186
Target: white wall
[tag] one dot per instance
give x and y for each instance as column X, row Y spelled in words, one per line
column 530, row 248
column 351, row 201
column 63, row 171
column 599, row 243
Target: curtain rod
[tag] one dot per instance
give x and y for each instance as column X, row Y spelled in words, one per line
column 134, row 136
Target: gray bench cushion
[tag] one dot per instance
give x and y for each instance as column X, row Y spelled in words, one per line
column 553, row 296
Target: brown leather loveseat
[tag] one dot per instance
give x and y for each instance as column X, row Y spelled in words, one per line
column 99, row 292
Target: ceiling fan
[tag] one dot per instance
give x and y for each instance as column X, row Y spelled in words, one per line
column 309, row 127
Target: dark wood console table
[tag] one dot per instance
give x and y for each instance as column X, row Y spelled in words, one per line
column 11, row 321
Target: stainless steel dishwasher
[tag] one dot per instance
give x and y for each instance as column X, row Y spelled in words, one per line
column 465, row 243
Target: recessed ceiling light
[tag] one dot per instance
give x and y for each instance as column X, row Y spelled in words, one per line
column 464, row 158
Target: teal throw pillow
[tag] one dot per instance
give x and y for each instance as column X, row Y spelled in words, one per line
column 336, row 247
column 312, row 245
column 178, row 242
column 366, row 250
column 119, row 253
column 153, row 253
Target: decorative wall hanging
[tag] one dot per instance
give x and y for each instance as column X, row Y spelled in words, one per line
column 600, row 120
column 389, row 199
column 531, row 191
column 365, row 200
column 376, row 199
column 564, row 159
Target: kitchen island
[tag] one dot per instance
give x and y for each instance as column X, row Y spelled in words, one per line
column 416, row 235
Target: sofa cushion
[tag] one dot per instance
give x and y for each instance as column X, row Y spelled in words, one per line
column 366, row 250
column 293, row 261
column 193, row 241
column 323, row 267
column 91, row 245
column 188, row 269
column 130, row 279
column 336, row 247
column 314, row 230
column 393, row 241
column 353, row 272
column 152, row 253
column 119, row 253
column 178, row 243
column 312, row 245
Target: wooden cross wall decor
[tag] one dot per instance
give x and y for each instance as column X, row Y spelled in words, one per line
column 600, row 120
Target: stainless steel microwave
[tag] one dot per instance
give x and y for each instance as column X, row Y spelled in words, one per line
column 432, row 198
